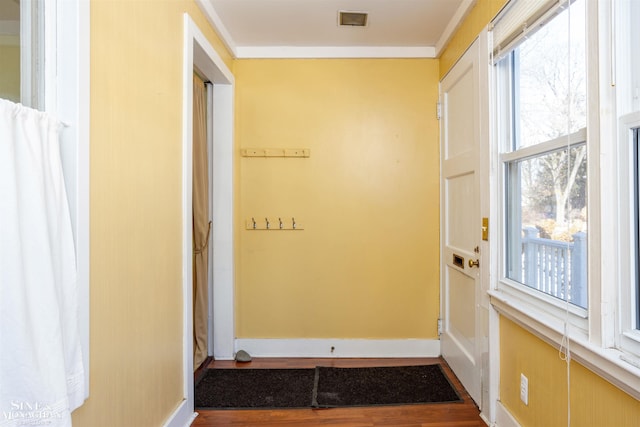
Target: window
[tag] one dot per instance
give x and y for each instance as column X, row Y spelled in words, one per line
column 628, row 219
column 10, row 51
column 574, row 163
column 24, row 37
column 625, row 191
column 542, row 89
column 44, row 64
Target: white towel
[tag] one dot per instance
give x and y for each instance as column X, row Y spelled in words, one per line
column 41, row 372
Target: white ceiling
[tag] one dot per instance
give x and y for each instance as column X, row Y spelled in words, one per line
column 309, row 28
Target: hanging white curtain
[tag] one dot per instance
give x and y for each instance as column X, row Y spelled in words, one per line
column 41, row 372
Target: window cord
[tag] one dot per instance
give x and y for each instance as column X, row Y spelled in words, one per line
column 565, row 344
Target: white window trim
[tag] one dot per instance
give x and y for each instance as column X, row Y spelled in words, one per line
column 627, row 336
column 537, row 301
column 600, row 350
column 62, row 68
column 610, row 364
column 624, row 334
column 537, row 150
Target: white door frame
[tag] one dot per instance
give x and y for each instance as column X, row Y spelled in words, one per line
column 487, row 322
column 198, row 53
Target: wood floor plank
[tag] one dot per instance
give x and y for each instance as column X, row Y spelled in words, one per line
column 464, row 414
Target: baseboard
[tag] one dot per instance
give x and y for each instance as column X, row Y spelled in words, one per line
column 504, row 417
column 340, row 348
column 181, row 417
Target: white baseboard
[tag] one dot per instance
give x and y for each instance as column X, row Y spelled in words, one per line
column 181, row 417
column 504, row 417
column 342, row 348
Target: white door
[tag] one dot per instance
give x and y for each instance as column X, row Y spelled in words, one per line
column 461, row 232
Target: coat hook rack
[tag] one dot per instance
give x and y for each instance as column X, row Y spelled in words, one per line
column 269, row 223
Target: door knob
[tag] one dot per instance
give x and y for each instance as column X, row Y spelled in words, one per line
column 473, row 263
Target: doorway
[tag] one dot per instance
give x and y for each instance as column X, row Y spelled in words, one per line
column 201, row 219
column 464, row 248
column 200, row 55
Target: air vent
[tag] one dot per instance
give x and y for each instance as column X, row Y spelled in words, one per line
column 352, row 19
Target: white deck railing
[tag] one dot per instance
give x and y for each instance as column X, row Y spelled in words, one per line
column 553, row 266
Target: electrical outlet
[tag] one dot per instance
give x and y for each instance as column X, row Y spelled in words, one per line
column 524, row 389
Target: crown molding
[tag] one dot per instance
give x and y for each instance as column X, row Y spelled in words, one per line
column 280, row 52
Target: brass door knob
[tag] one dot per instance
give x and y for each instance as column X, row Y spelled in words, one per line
column 473, row 263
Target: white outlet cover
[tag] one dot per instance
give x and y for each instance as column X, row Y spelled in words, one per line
column 524, row 389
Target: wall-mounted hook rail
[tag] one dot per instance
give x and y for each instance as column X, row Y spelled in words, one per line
column 269, row 223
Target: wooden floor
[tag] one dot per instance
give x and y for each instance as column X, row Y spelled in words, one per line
column 463, row 414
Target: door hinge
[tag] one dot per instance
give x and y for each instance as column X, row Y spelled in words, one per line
column 438, row 110
column 439, row 327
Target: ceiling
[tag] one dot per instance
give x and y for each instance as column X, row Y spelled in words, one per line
column 309, row 28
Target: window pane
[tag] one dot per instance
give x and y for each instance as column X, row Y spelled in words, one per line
column 547, row 223
column 10, row 50
column 549, row 80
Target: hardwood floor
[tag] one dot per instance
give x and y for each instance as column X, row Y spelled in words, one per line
column 463, row 414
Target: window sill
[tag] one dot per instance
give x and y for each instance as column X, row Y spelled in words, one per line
column 618, row 368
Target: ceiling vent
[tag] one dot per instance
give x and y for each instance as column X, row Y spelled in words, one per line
column 352, row 19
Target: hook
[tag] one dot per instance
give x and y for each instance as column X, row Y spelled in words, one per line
column 267, row 221
column 254, row 222
column 293, row 220
column 280, row 221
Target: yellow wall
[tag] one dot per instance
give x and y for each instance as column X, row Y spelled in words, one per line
column 594, row 401
column 475, row 21
column 366, row 265
column 10, row 69
column 136, row 142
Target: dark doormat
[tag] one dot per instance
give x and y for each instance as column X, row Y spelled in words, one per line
column 254, row 388
column 382, row 386
column 322, row 387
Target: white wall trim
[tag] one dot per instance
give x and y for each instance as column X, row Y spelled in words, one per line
column 222, row 228
column 504, row 417
column 309, row 52
column 187, row 243
column 214, row 19
column 455, row 22
column 199, row 53
column 182, row 416
column 67, row 96
column 259, row 347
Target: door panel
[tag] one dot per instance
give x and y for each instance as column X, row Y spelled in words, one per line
column 461, row 325
column 459, row 192
column 459, row 131
column 460, row 226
